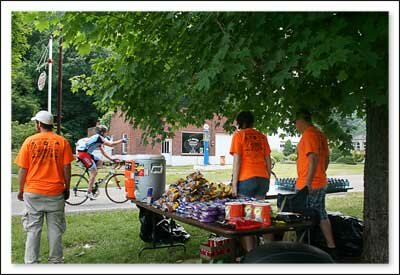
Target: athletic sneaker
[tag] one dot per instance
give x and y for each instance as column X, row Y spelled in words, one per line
column 90, row 195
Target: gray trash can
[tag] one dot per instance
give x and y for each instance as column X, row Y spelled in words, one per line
column 149, row 172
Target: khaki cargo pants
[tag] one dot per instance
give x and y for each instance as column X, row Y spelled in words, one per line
column 36, row 208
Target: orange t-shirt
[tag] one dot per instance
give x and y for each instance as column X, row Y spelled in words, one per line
column 253, row 147
column 312, row 140
column 44, row 156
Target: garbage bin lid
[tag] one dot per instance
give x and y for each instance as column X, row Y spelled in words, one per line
column 147, row 157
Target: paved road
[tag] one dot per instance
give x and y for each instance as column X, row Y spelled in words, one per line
column 102, row 203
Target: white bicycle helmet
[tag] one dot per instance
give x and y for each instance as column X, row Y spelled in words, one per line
column 101, row 129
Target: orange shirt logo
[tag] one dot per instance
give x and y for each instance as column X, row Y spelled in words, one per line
column 253, row 147
column 44, row 156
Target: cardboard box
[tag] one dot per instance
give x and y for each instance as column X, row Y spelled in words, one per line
column 217, row 248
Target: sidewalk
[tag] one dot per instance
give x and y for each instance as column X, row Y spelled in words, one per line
column 102, row 203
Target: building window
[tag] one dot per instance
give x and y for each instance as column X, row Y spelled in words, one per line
column 358, row 146
column 365, row 145
column 192, row 143
column 124, row 145
column 165, row 148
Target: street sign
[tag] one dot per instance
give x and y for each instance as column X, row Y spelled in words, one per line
column 41, row 81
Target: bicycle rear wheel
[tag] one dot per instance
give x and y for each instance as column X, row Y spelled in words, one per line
column 78, row 190
column 115, row 188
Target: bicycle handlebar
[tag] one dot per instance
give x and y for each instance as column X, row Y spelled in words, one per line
column 118, row 164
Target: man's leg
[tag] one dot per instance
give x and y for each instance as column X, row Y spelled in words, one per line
column 92, row 178
column 55, row 218
column 32, row 223
column 92, row 174
column 316, row 199
column 248, row 243
column 326, row 229
column 89, row 162
column 99, row 163
column 325, row 224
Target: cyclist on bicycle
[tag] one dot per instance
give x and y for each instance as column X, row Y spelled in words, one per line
column 91, row 162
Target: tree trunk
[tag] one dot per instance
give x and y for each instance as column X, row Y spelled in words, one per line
column 376, row 187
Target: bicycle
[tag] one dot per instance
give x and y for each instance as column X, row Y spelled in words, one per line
column 114, row 186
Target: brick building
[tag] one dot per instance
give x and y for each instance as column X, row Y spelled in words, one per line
column 186, row 148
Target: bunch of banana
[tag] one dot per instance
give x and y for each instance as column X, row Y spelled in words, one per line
column 227, row 190
column 195, row 198
column 194, row 188
column 194, row 176
column 173, row 194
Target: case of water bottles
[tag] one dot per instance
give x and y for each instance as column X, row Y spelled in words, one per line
column 334, row 184
column 337, row 184
column 286, row 184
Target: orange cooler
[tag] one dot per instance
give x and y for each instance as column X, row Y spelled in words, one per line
column 233, row 210
column 262, row 213
column 130, row 179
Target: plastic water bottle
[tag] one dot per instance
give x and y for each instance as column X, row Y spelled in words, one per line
column 149, row 199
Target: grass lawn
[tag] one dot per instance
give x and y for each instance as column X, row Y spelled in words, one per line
column 113, row 236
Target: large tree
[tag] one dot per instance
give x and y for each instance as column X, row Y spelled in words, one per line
column 176, row 68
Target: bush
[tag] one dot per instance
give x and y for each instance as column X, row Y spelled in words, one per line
column 19, row 132
column 292, row 157
column 277, row 156
column 358, row 156
column 334, row 156
column 346, row 160
column 14, row 167
column 287, row 149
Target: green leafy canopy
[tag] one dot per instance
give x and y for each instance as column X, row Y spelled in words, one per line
column 180, row 68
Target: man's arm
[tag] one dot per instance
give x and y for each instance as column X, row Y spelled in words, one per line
column 21, row 179
column 235, row 173
column 67, row 180
column 105, row 154
column 113, row 143
column 268, row 164
column 326, row 163
column 312, row 167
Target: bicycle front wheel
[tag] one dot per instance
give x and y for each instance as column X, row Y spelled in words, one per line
column 79, row 185
column 115, row 188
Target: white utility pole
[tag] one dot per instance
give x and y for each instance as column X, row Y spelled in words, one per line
column 50, row 62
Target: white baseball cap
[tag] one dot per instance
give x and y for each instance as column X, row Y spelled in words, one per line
column 44, row 117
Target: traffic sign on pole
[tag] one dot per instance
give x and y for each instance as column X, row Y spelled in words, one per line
column 41, row 81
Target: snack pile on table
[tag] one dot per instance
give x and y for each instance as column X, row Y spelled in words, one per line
column 208, row 202
column 195, row 188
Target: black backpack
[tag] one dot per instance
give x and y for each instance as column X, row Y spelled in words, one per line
column 297, row 203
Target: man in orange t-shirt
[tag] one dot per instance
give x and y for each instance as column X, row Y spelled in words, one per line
column 44, row 178
column 312, row 163
column 251, row 164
